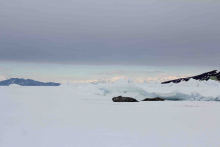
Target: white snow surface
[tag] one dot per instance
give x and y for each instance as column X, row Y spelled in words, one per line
column 192, row 90
column 83, row 115
column 15, row 85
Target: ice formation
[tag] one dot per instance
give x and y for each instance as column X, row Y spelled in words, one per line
column 190, row 90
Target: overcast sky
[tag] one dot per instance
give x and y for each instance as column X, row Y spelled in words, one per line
column 110, row 32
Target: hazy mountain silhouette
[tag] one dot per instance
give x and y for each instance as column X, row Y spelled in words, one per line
column 26, row 82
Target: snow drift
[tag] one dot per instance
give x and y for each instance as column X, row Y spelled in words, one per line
column 192, row 90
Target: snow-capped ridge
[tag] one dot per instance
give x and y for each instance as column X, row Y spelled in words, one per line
column 215, row 74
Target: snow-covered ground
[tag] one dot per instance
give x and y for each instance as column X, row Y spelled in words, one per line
column 83, row 115
column 192, row 90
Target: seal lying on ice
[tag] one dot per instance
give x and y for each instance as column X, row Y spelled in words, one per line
column 153, row 99
column 123, row 99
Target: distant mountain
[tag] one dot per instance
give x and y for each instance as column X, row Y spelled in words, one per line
column 102, row 81
column 26, row 82
column 113, row 80
column 213, row 75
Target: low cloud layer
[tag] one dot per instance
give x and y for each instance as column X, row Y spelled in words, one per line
column 2, row 78
column 123, row 72
column 159, row 78
column 112, row 32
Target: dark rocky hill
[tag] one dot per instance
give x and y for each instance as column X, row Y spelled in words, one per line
column 214, row 75
column 26, row 82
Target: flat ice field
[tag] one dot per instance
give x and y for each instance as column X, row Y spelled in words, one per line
column 83, row 115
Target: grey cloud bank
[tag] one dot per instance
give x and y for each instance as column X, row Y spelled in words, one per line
column 110, row 32
column 122, row 72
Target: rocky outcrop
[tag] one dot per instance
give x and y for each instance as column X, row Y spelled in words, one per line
column 123, row 99
column 214, row 75
column 153, row 99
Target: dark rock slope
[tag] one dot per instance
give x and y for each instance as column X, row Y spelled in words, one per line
column 26, row 82
column 214, row 75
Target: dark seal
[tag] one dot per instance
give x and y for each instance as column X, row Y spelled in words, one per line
column 153, row 99
column 123, row 99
